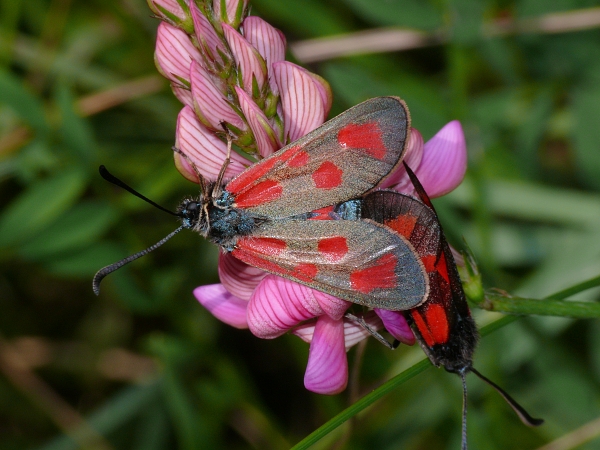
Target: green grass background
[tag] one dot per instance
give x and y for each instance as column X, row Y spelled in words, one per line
column 147, row 368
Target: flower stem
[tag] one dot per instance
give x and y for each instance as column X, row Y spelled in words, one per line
column 551, row 306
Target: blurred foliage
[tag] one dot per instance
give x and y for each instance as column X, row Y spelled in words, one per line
column 145, row 367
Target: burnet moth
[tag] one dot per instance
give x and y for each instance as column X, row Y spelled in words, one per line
column 310, row 213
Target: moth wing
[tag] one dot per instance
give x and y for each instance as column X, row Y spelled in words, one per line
column 342, row 159
column 358, row 261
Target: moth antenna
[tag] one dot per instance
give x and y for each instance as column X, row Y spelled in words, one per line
column 372, row 331
column 464, row 410
column 111, row 268
column 104, row 173
column 518, row 409
column 201, row 179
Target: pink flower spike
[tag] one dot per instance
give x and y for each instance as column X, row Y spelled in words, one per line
column 327, row 367
column 234, row 11
column 444, row 160
column 205, row 33
column 210, row 104
column 237, row 277
column 169, row 10
column 174, row 53
column 204, row 148
column 264, row 135
column 398, row 179
column 250, row 63
column 223, row 305
column 332, row 306
column 268, row 40
column 302, row 101
column 395, row 323
column 277, row 305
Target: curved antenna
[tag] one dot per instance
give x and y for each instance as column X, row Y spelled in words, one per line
column 518, row 409
column 104, row 173
column 111, row 268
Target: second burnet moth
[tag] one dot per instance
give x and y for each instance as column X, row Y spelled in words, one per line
column 311, row 213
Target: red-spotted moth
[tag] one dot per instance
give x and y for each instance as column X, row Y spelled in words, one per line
column 310, row 213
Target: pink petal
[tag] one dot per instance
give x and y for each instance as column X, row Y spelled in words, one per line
column 277, row 305
column 204, row 148
column 174, row 53
column 184, row 95
column 210, row 104
column 301, row 98
column 238, row 277
column 233, row 13
column 167, row 9
column 327, row 367
column 396, row 325
column 263, row 133
column 332, row 306
column 324, row 90
column 398, row 179
column 223, row 305
column 207, row 37
column 444, row 160
column 269, row 41
column 250, row 63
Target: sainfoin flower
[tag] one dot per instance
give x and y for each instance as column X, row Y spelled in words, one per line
column 229, row 72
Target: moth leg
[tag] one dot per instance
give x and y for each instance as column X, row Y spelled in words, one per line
column 218, row 187
column 201, row 180
column 372, row 331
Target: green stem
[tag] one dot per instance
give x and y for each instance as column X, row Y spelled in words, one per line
column 591, row 310
column 551, row 306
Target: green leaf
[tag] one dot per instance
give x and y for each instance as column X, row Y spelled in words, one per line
column 14, row 94
column 84, row 262
column 77, row 228
column 587, row 133
column 39, row 205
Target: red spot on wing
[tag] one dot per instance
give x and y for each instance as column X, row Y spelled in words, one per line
column 402, row 224
column 366, row 136
column 442, row 268
column 305, row 272
column 433, row 326
column 423, row 328
column 250, row 175
column 247, row 256
column 437, row 321
column 429, row 262
column 323, row 213
column 264, row 192
column 299, row 159
column 327, row 176
column 381, row 275
column 333, row 248
column 264, row 245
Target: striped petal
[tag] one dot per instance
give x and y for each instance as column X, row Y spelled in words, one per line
column 327, row 367
column 268, row 40
column 250, row 64
column 277, row 305
column 207, row 36
column 223, row 305
column 174, row 53
column 264, row 135
column 169, row 10
column 210, row 104
column 395, row 323
column 353, row 332
column 301, row 98
column 444, row 160
column 183, row 94
column 204, row 148
column 237, row 277
column 233, row 13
